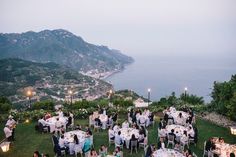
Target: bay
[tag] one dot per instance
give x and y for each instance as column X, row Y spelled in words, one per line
column 166, row 74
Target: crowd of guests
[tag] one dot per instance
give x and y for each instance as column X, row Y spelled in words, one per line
column 114, row 133
column 9, row 129
column 59, row 126
column 144, row 118
column 211, row 149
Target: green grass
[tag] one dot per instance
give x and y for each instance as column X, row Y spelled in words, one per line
column 27, row 140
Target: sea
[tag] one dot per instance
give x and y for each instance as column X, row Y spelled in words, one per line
column 167, row 74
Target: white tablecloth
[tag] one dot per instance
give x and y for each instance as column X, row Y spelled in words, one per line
column 126, row 134
column 53, row 120
column 225, row 149
column 177, row 119
column 178, row 130
column 102, row 117
column 69, row 138
column 167, row 153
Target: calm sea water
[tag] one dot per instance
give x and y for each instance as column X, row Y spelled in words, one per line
column 167, row 74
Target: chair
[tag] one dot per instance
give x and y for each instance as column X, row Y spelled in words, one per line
column 91, row 139
column 91, row 121
column 134, row 145
column 110, row 141
column 145, row 150
column 97, row 126
column 144, row 143
column 205, row 152
column 78, row 150
column 171, row 140
column 63, row 152
column 191, row 140
column 194, row 155
column 170, row 122
column 87, row 154
column 118, row 145
column 184, row 143
column 42, row 129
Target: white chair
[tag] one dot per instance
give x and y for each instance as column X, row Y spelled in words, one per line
column 194, row 155
column 171, row 140
column 91, row 139
column 78, row 150
column 87, row 154
column 110, row 141
column 91, row 121
column 97, row 127
column 184, row 143
column 144, row 143
column 119, row 145
column 205, row 152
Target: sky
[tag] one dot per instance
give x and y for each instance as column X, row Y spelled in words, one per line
column 136, row 27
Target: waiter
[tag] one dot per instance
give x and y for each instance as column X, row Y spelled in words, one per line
column 12, row 124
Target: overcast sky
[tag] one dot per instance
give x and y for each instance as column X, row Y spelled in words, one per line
column 175, row 27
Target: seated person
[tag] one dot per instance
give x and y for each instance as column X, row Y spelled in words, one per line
column 47, row 116
column 111, row 133
column 114, row 117
column 58, row 125
column 221, row 140
column 161, row 144
column 162, row 132
column 98, row 121
column 87, row 144
column 62, row 144
column 117, row 152
column 141, row 137
column 116, row 127
column 150, row 150
column 118, row 139
column 188, row 153
column 209, row 144
column 109, row 121
column 103, row 151
column 93, row 153
column 36, row 154
column 178, row 147
column 44, row 123
column 125, row 124
column 142, row 120
column 184, row 138
column 191, row 132
column 172, row 133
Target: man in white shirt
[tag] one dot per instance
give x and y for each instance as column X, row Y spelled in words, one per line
column 62, row 143
column 118, row 139
column 58, row 125
column 44, row 123
column 116, row 128
column 12, row 124
column 8, row 132
column 125, row 124
column 111, row 133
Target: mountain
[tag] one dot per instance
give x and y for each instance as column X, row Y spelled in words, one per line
column 46, row 79
column 64, row 48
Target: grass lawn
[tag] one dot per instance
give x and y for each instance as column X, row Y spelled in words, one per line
column 27, row 140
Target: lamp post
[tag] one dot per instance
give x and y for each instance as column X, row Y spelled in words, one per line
column 5, row 146
column 185, row 93
column 149, row 94
column 110, row 94
column 70, row 94
column 29, row 94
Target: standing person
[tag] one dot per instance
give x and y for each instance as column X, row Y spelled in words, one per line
column 8, row 133
column 114, row 117
column 12, row 124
